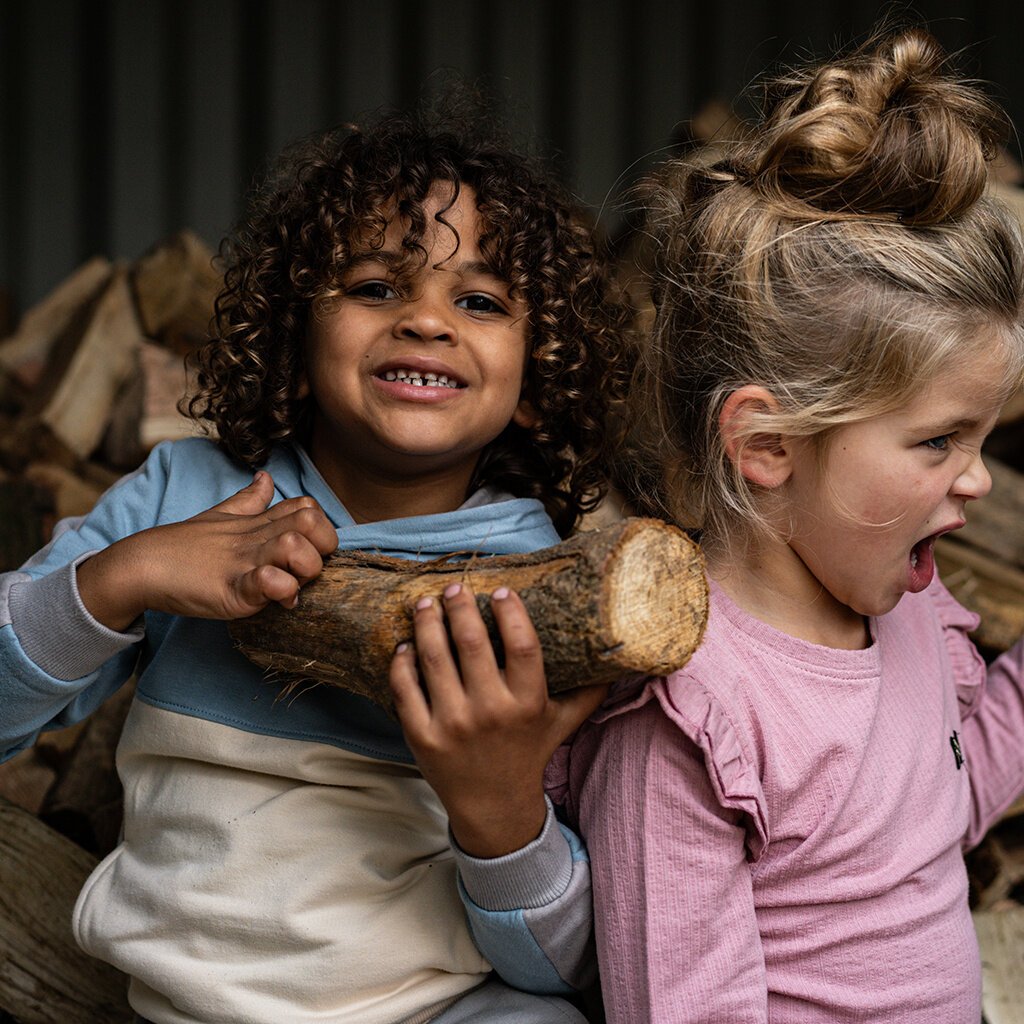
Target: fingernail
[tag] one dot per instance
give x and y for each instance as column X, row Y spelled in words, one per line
column 452, row 589
column 500, row 594
column 259, row 476
column 401, row 648
column 423, row 602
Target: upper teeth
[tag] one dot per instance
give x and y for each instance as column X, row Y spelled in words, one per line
column 913, row 559
column 430, row 380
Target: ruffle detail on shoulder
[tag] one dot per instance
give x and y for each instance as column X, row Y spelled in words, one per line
column 701, row 717
column 969, row 669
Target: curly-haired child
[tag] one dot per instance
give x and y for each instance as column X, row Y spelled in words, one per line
column 417, row 351
column 776, row 831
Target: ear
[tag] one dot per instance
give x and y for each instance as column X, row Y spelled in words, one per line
column 762, row 458
column 525, row 415
column 302, row 386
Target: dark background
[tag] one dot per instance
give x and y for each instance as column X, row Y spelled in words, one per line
column 124, row 120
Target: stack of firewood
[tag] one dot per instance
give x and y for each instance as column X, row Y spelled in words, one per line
column 89, row 382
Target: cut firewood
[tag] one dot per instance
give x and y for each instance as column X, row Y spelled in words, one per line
column 146, row 409
column 629, row 598
column 1001, row 938
column 26, row 512
column 44, row 977
column 23, row 355
column 66, row 419
column 175, row 285
column 987, row 586
column 993, row 525
column 70, row 493
column 86, row 801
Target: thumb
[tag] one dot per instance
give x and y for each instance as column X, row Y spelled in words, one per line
column 251, row 499
column 576, row 706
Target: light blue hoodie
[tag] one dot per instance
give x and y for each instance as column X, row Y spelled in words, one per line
column 206, row 728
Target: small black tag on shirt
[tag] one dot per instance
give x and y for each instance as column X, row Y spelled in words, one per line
column 958, row 754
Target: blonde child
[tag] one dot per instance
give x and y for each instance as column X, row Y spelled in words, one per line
column 417, row 351
column 776, row 831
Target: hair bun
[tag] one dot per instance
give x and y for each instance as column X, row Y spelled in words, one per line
column 889, row 130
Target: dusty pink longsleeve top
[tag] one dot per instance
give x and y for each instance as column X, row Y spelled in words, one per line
column 776, row 832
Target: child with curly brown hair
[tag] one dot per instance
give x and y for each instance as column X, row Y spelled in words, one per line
column 417, row 352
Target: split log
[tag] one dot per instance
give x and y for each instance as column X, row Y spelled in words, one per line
column 65, row 420
column 24, row 354
column 26, row 512
column 175, row 285
column 986, row 586
column 86, row 801
column 629, row 598
column 146, row 410
column 1001, row 938
column 44, row 977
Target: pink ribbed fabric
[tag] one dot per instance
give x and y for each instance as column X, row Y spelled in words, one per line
column 776, row 831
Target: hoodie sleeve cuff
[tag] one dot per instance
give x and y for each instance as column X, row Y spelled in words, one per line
column 530, row 877
column 56, row 630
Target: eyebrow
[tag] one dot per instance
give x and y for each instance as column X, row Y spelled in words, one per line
column 951, row 426
column 396, row 262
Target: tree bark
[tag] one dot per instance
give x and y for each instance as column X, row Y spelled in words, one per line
column 629, row 598
column 44, row 977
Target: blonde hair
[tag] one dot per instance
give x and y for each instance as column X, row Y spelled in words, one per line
column 839, row 255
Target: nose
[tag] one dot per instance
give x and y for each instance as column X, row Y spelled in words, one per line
column 426, row 318
column 975, row 481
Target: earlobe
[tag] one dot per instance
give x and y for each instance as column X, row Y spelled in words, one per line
column 762, row 457
column 302, row 386
column 525, row 415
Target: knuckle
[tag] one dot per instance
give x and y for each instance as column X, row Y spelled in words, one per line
column 522, row 648
column 472, row 643
column 433, row 659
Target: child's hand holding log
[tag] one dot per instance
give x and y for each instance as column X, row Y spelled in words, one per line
column 482, row 735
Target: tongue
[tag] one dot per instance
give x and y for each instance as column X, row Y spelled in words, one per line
column 922, row 572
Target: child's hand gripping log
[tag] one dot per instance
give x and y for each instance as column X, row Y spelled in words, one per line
column 225, row 563
column 482, row 735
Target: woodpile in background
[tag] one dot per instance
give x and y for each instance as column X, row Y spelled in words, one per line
column 89, row 382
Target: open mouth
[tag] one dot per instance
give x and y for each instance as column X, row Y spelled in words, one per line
column 422, row 380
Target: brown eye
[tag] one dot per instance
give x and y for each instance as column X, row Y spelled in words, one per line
column 376, row 290
column 479, row 304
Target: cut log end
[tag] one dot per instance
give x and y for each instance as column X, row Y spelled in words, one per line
column 658, row 599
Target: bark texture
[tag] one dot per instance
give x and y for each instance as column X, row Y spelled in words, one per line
column 631, row 597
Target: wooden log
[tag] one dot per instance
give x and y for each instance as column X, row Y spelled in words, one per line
column 86, row 801
column 987, row 586
column 26, row 512
column 24, row 354
column 1001, row 939
column 66, row 418
column 993, row 524
column 175, row 285
column 631, row 597
column 44, row 977
column 146, row 410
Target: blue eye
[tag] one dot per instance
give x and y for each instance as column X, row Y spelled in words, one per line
column 938, row 444
column 477, row 303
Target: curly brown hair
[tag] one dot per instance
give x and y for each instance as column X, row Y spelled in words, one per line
column 331, row 191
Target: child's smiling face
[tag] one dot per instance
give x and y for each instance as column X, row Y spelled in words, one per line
column 865, row 517
column 413, row 371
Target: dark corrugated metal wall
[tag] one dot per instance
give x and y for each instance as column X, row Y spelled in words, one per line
column 123, row 120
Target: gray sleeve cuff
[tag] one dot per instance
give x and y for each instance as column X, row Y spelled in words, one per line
column 533, row 876
column 57, row 632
